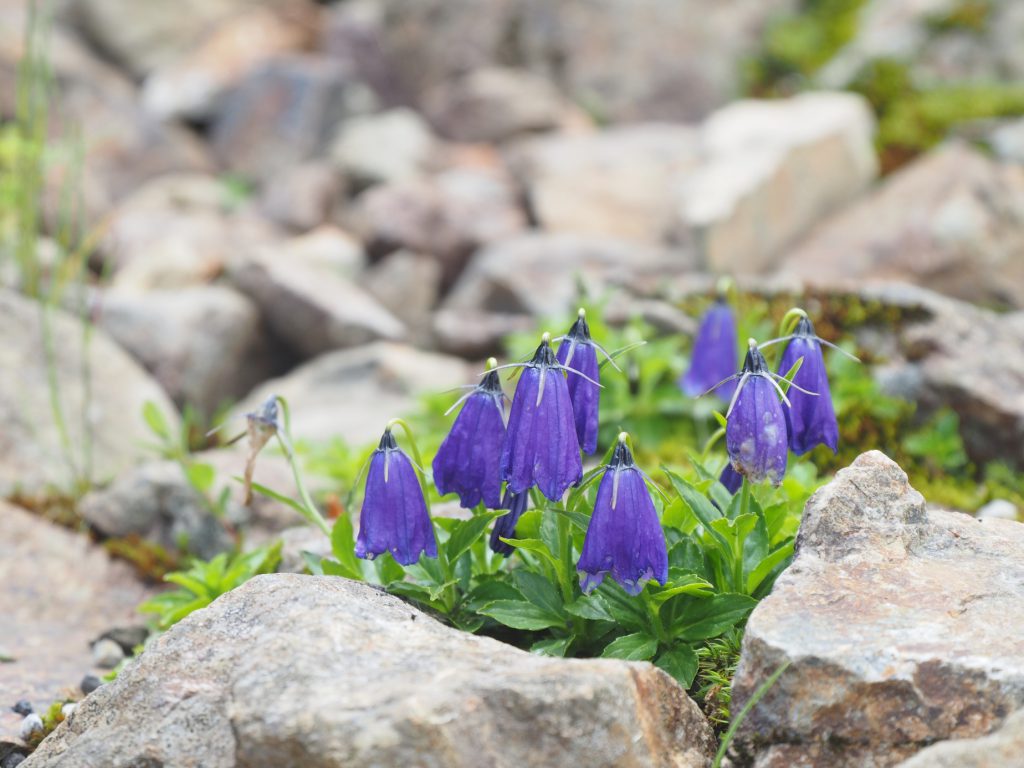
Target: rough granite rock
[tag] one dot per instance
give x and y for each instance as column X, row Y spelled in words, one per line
column 952, row 221
column 33, row 457
column 903, row 625
column 1001, row 749
column 58, row 593
column 352, row 393
column 321, row 671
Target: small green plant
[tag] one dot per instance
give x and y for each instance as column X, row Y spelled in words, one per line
column 204, row 582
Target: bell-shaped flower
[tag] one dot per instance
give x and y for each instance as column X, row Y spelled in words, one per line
column 467, row 463
column 394, row 516
column 714, row 353
column 578, row 353
column 811, row 419
column 730, row 478
column 756, row 434
column 541, row 447
column 624, row 537
column 505, row 526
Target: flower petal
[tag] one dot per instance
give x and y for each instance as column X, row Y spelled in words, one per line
column 585, row 395
column 756, row 436
column 714, row 356
column 467, row 463
column 811, row 420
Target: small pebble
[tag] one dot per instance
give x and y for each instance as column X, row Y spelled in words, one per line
column 107, row 654
column 13, row 759
column 89, row 684
column 23, row 707
column 30, row 725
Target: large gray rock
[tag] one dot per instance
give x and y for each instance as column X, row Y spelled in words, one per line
column 390, row 146
column 952, row 221
column 100, row 391
column 902, row 626
column 1001, row 749
column 320, row 671
column 205, row 345
column 283, row 113
column 618, row 182
column 310, row 304
column 351, row 394
column 58, row 592
column 188, row 84
column 771, row 170
column 447, row 216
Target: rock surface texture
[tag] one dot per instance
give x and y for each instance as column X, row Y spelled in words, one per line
column 58, row 593
column 902, row 625
column 315, row 671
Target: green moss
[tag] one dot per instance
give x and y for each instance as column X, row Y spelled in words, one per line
column 967, row 15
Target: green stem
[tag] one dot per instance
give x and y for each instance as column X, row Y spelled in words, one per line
column 737, row 565
column 789, row 321
column 312, row 514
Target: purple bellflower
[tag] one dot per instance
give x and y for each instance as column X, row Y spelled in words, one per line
column 467, row 463
column 505, row 526
column 578, row 352
column 541, row 447
column 625, row 537
column 756, row 436
column 394, row 516
column 714, row 353
column 730, row 478
column 811, row 420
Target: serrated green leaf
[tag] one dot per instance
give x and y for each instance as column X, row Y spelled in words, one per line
column 636, row 647
column 467, row 532
column 539, row 591
column 555, row 647
column 704, row 618
column 766, row 566
column 591, row 607
column 680, row 662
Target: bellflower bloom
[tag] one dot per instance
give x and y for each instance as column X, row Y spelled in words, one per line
column 505, row 526
column 811, row 420
column 541, row 447
column 394, row 516
column 467, row 462
column 579, row 353
column 714, row 353
column 730, row 478
column 756, row 436
column 625, row 537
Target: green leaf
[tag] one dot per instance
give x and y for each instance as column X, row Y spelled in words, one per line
column 627, row 610
column 539, row 591
column 155, row 420
column 688, row 556
column 556, row 647
column 680, row 662
column 334, row 568
column 520, row 614
column 343, row 547
column 766, row 566
column 591, row 607
column 491, row 591
column 705, row 618
column 466, row 534
column 636, row 647
column 682, row 584
column 704, row 510
column 534, row 545
column 313, row 563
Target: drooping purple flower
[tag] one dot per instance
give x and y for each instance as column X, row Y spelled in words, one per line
column 394, row 516
column 730, row 478
column 541, row 447
column 505, row 526
column 624, row 537
column 811, row 420
column 467, row 463
column 756, row 435
column 578, row 352
column 714, row 353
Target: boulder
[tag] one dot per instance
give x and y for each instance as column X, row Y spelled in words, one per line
column 188, row 85
column 952, row 221
column 284, row 113
column 312, row 305
column 100, row 391
column 390, row 146
column 541, row 275
column 175, row 231
column 447, row 216
column 494, row 104
column 351, row 394
column 1003, row 748
column 618, row 182
column 408, row 285
column 59, row 592
column 902, row 625
column 302, row 670
column 205, row 344
column 303, row 196
column 772, row 170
